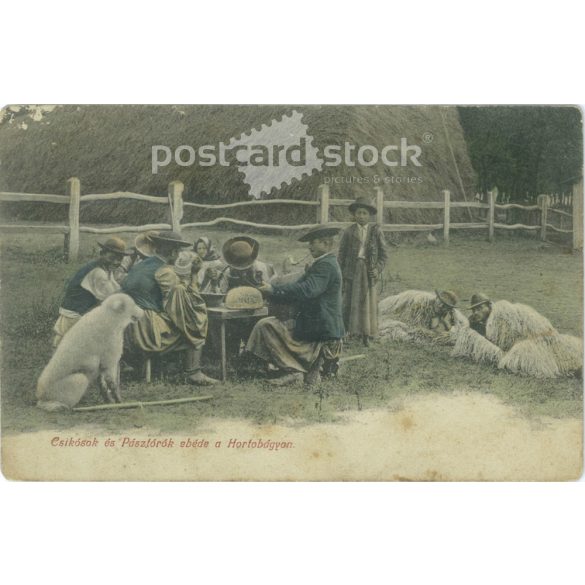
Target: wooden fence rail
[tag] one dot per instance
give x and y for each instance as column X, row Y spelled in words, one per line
column 261, row 202
column 323, row 206
column 245, row 223
column 124, row 195
column 20, row 197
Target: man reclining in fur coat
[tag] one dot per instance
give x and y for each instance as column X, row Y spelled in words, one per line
column 517, row 338
column 420, row 317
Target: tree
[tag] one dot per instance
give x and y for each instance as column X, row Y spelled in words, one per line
column 524, row 150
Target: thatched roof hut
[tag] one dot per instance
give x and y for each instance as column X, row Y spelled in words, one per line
column 109, row 149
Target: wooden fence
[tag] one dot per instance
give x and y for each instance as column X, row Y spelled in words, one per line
column 486, row 214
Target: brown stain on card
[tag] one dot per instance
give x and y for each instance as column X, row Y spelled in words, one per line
column 407, row 422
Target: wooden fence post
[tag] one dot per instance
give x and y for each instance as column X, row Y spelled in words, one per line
column 492, row 196
column 323, row 209
column 543, row 204
column 72, row 237
column 447, row 217
column 577, row 211
column 379, row 206
column 176, row 189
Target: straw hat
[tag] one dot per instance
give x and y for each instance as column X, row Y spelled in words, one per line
column 240, row 252
column 319, row 232
column 447, row 298
column 362, row 202
column 244, row 297
column 478, row 299
column 143, row 243
column 170, row 237
column 116, row 245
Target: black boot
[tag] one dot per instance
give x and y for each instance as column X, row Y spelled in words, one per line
column 330, row 368
column 313, row 376
column 193, row 368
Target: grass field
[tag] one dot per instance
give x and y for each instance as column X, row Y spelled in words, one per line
column 518, row 269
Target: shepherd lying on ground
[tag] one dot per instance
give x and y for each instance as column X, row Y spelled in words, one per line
column 420, row 317
column 517, row 338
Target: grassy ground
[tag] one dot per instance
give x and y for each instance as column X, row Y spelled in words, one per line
column 517, row 269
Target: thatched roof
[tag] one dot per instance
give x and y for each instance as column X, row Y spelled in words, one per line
column 109, row 149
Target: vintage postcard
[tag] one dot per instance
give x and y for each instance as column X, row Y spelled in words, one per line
column 323, row 293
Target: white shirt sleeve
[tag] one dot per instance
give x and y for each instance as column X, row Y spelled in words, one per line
column 100, row 283
column 263, row 268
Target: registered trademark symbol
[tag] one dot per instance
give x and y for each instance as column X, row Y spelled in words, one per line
column 428, row 137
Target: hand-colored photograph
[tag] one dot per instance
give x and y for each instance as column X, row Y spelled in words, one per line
column 291, row 293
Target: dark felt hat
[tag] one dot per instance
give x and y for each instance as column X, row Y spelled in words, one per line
column 240, row 252
column 322, row 231
column 447, row 298
column 362, row 202
column 478, row 299
column 116, row 245
column 170, row 237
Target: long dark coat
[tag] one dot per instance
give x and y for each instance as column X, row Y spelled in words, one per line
column 318, row 297
column 349, row 247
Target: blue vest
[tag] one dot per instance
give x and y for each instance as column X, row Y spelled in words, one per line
column 77, row 298
column 141, row 285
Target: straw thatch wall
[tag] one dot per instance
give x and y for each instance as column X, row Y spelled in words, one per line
column 109, row 149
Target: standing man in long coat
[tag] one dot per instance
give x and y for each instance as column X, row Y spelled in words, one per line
column 313, row 340
column 362, row 256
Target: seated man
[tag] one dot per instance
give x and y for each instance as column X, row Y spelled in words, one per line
column 516, row 338
column 175, row 316
column 313, row 340
column 419, row 316
column 89, row 286
column 141, row 250
column 242, row 268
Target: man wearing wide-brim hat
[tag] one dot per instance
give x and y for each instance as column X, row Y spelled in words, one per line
column 407, row 315
column 90, row 285
column 481, row 308
column 362, row 257
column 240, row 252
column 240, row 268
column 143, row 248
column 175, row 316
column 516, row 338
column 314, row 339
column 243, row 268
column 444, row 305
